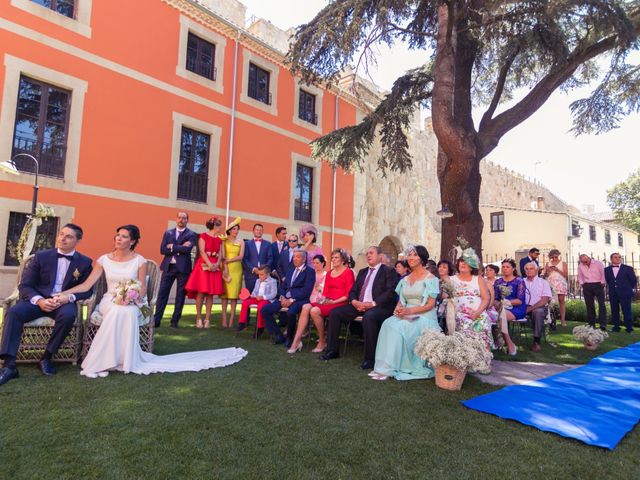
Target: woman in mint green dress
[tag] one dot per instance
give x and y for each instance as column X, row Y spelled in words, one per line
column 414, row 314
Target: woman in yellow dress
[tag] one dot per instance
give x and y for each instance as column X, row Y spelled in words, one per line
column 233, row 253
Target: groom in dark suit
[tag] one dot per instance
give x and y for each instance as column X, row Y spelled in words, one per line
column 257, row 252
column 621, row 280
column 47, row 274
column 176, row 247
column 373, row 297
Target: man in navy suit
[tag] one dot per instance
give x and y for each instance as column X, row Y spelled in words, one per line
column 176, row 247
column 294, row 293
column 257, row 252
column 285, row 260
column 47, row 274
column 278, row 246
column 621, row 280
column 534, row 253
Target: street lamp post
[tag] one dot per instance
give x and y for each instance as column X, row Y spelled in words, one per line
column 9, row 166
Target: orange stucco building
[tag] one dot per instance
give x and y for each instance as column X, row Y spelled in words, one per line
column 137, row 109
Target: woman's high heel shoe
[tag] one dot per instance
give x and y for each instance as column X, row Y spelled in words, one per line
column 319, row 349
column 295, row 349
column 207, row 324
column 515, row 351
column 198, row 323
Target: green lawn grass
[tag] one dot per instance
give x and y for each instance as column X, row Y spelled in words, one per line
column 278, row 416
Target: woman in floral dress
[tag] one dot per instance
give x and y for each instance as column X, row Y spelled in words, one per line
column 556, row 272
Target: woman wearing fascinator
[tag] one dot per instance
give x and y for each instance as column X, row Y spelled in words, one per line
column 309, row 237
column 414, row 313
column 471, row 298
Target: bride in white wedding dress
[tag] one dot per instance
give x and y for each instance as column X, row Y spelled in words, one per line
column 116, row 345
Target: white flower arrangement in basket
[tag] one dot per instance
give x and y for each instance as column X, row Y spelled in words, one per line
column 590, row 336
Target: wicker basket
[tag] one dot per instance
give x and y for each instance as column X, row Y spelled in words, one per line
column 591, row 346
column 449, row 378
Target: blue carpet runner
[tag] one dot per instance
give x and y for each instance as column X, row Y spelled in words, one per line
column 596, row 404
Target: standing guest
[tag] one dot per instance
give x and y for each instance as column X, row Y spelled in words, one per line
column 538, row 294
column 414, row 313
column 176, row 247
column 265, row 291
column 592, row 281
column 286, row 257
column 621, row 280
column 205, row 280
column 257, row 252
column 384, row 258
column 335, row 293
column 278, row 246
column 557, row 274
column 294, row 294
column 534, row 253
column 471, row 298
column 402, row 268
column 309, row 235
column 233, row 255
column 444, row 272
column 516, row 296
column 46, row 275
column 373, row 298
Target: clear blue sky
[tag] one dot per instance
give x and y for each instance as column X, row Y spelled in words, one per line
column 578, row 170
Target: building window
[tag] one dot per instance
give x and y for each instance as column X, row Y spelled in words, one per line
column 307, row 107
column 607, row 237
column 193, row 166
column 45, row 237
column 63, row 7
column 259, row 84
column 576, row 229
column 303, row 193
column 620, row 240
column 592, row 233
column 201, row 57
column 42, row 119
column 497, row 222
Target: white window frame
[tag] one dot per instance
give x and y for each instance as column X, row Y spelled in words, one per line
column 318, row 92
column 81, row 24
column 250, row 57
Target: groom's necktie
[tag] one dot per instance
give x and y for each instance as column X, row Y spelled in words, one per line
column 365, row 284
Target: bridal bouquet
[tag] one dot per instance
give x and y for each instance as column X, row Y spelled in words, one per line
column 127, row 292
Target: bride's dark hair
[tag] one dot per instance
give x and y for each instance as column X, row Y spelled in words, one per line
column 134, row 233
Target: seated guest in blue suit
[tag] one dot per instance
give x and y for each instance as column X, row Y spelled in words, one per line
column 285, row 261
column 294, row 293
column 621, row 280
column 47, row 274
column 278, row 246
column 257, row 252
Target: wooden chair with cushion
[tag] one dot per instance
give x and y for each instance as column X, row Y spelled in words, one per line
column 147, row 329
column 37, row 332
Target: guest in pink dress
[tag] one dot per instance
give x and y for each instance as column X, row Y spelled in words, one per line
column 309, row 236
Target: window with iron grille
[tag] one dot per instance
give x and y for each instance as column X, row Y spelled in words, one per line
column 193, row 168
column 45, row 236
column 576, row 230
column 497, row 222
column 607, row 237
column 304, row 193
column 620, row 240
column 201, row 56
column 592, row 233
column 259, row 84
column 307, row 107
column 63, row 7
column 42, row 119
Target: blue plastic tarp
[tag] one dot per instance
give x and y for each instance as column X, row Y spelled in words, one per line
column 597, row 403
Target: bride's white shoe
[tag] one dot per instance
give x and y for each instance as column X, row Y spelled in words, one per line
column 103, row 374
column 89, row 375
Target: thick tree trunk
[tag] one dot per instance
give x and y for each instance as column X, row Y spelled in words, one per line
column 460, row 192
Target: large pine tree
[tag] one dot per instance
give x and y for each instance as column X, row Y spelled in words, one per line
column 477, row 53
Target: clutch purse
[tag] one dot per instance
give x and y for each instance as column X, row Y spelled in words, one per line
column 204, row 266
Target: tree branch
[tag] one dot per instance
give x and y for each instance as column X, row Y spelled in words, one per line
column 502, row 78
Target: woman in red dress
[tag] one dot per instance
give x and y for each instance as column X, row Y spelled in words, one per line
column 205, row 280
column 335, row 293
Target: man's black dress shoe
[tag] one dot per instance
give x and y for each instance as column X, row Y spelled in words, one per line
column 174, row 325
column 366, row 365
column 157, row 324
column 330, row 355
column 46, row 367
column 629, row 330
column 7, row 374
column 279, row 340
column 259, row 333
column 240, row 327
column 615, row 329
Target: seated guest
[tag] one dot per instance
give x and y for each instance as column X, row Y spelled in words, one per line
column 444, row 271
column 490, row 273
column 514, row 291
column 285, row 261
column 414, row 313
column 534, row 253
column 402, row 268
column 471, row 298
column 372, row 297
column 432, row 267
column 538, row 294
column 337, row 286
column 309, row 235
column 264, row 292
column 319, row 264
column 294, row 294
